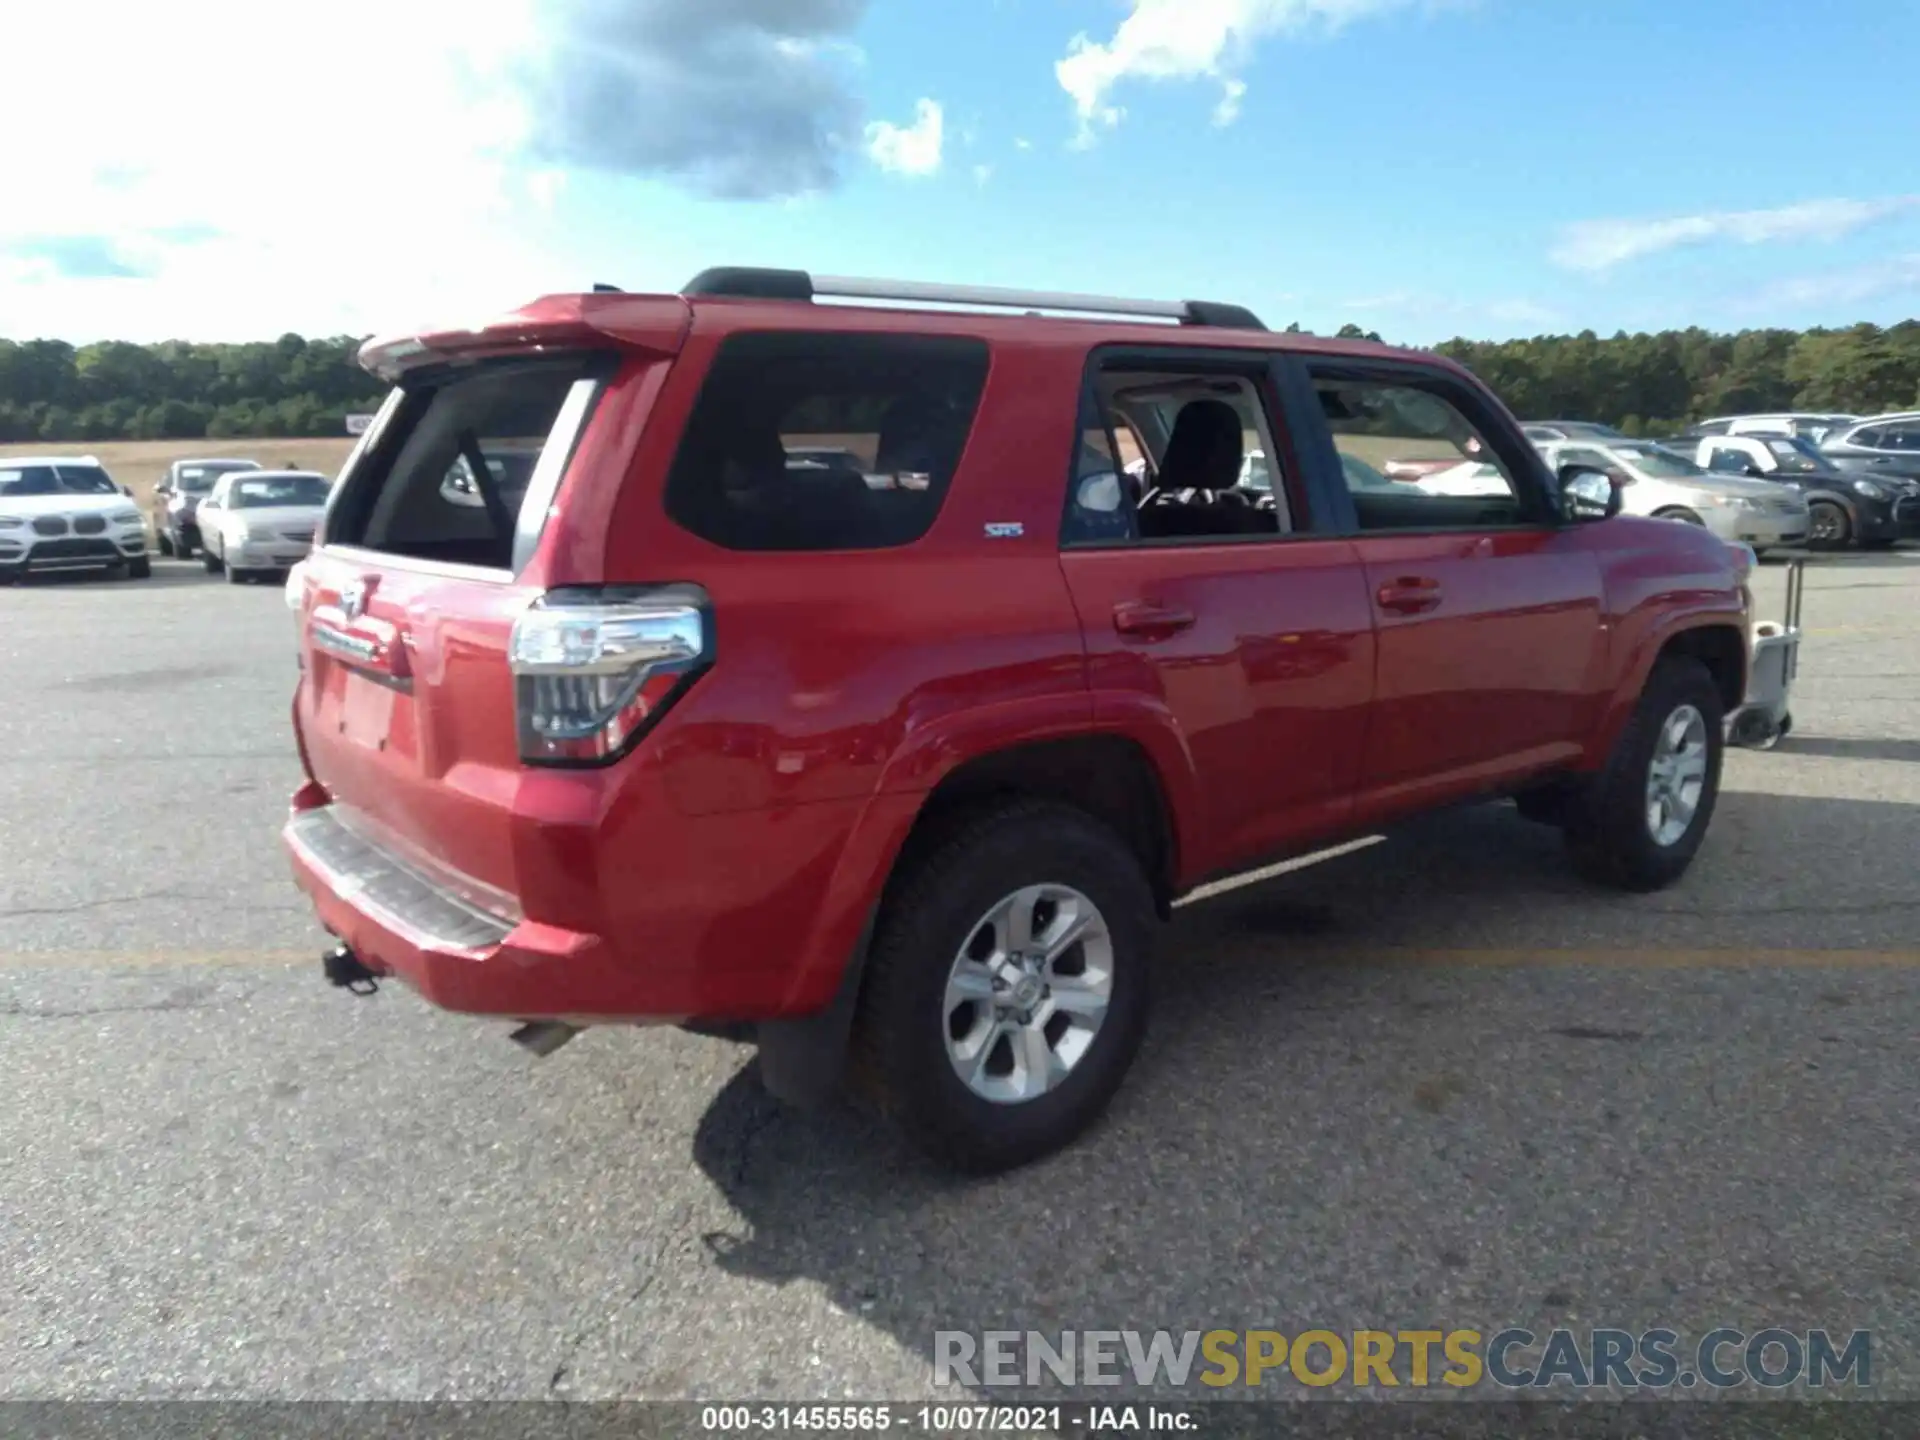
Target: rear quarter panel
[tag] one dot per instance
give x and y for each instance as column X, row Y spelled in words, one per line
column 847, row 684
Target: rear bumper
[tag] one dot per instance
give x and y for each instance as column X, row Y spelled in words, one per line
column 1762, row 529
column 459, row 949
column 267, row 555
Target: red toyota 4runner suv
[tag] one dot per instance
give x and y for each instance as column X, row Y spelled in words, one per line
column 870, row 680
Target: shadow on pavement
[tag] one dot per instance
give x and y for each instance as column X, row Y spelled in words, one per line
column 1333, row 1127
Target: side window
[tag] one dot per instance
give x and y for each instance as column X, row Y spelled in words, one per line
column 1901, row 437
column 1196, row 460
column 1446, row 474
column 1728, row 459
column 814, row 441
column 1873, row 437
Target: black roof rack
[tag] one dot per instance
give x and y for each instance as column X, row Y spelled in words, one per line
column 749, row 283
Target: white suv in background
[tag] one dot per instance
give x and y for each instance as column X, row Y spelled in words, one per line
column 64, row 513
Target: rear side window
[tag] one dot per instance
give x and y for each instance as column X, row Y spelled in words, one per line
column 466, row 469
column 807, row 441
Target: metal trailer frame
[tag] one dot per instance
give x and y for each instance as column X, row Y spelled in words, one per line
column 1764, row 718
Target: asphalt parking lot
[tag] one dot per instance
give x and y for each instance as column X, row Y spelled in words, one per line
column 1436, row 1082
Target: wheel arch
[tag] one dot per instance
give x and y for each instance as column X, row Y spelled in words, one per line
column 1108, row 775
column 1718, row 641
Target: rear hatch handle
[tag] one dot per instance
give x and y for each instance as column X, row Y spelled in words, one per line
column 340, row 629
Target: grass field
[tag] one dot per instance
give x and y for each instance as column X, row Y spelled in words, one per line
column 139, row 464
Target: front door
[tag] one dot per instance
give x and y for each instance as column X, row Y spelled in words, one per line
column 1488, row 614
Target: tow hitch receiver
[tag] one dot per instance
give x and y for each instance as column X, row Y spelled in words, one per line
column 343, row 968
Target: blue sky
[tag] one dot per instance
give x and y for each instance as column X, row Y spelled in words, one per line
column 1422, row 167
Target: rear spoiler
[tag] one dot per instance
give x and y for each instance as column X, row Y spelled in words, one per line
column 654, row 323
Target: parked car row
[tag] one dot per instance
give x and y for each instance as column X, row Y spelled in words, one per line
column 1877, row 444
column 1857, row 479
column 65, row 513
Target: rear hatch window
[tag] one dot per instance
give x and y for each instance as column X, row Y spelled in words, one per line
column 463, row 465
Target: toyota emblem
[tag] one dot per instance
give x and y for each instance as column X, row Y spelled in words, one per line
column 353, row 600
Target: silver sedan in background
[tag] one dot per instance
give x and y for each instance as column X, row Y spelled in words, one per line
column 1665, row 484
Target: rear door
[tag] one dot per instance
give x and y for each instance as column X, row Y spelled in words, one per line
column 1248, row 639
column 406, row 704
column 1487, row 611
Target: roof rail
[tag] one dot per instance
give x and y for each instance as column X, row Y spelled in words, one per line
column 750, row 283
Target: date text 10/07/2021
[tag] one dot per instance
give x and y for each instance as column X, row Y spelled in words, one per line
column 944, row 1419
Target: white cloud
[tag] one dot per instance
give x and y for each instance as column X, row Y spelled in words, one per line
column 1023, row 144
column 1897, row 276
column 982, row 174
column 1190, row 40
column 747, row 99
column 1228, row 110
column 351, row 186
column 909, row 149
column 1599, row 245
column 346, row 185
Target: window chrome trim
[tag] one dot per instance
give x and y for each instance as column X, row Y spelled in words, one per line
column 376, row 428
column 537, row 506
column 413, row 564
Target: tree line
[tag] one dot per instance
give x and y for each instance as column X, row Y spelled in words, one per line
column 293, row 386
column 1655, row 384
column 180, row 390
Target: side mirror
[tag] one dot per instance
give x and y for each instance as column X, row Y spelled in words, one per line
column 127, row 490
column 1588, row 494
column 1749, row 468
column 1102, row 493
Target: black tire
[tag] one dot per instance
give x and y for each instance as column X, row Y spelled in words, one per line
column 182, row 547
column 1685, row 517
column 141, row 569
column 900, row 1055
column 212, row 562
column 1608, row 830
column 163, row 542
column 1833, row 517
column 237, row 576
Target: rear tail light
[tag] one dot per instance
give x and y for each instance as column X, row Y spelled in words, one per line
column 593, row 669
